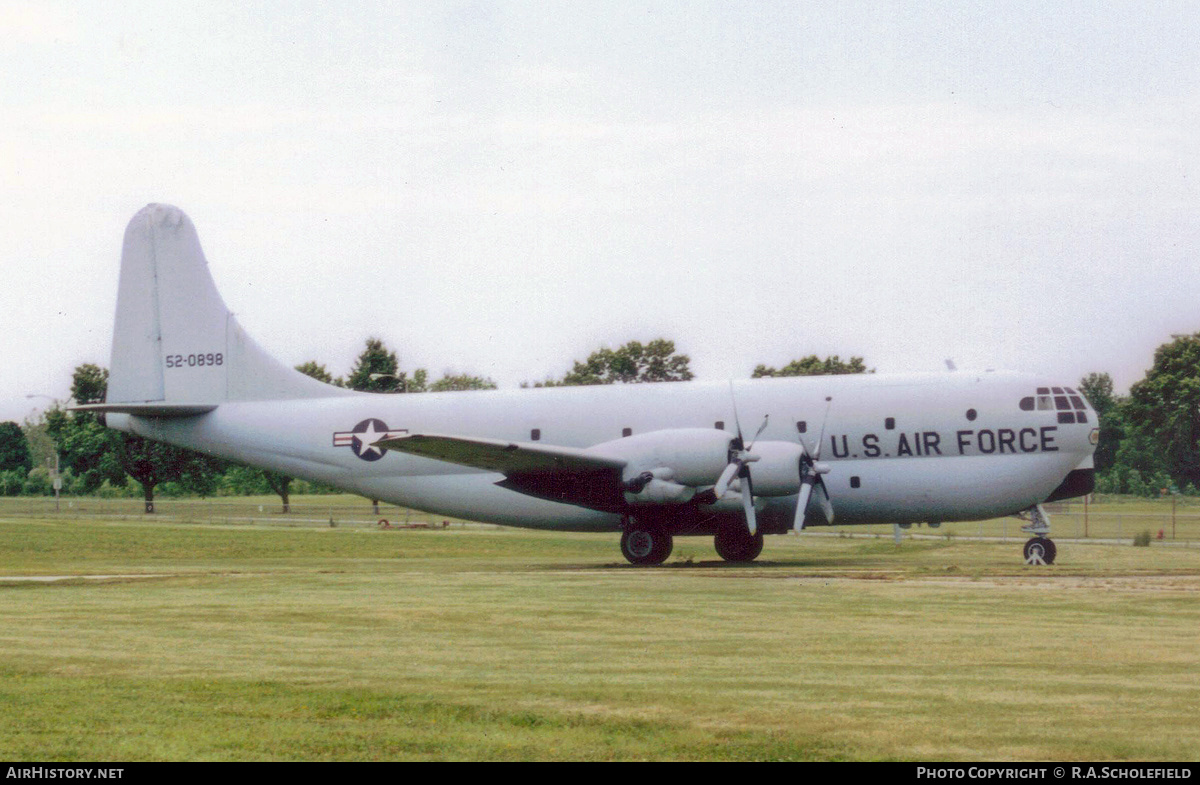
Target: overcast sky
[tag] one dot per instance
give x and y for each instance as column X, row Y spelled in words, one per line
column 501, row 188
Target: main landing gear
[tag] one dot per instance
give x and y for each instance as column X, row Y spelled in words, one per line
column 645, row 544
column 1039, row 549
column 734, row 543
column 650, row 542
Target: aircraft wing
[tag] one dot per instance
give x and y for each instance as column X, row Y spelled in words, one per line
column 562, row 474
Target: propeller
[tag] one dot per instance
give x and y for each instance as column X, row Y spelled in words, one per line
column 740, row 458
column 811, row 470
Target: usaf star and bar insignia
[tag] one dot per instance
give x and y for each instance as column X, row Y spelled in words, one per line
column 363, row 437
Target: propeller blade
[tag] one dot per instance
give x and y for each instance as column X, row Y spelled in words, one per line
column 810, row 476
column 725, row 478
column 821, row 439
column 802, row 502
column 823, row 500
column 736, row 422
column 748, row 505
column 758, row 433
column 805, row 453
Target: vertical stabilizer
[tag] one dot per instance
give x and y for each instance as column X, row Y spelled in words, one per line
column 174, row 340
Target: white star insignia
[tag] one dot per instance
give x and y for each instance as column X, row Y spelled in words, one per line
column 365, row 439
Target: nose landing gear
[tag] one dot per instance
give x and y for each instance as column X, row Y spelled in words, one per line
column 1039, row 549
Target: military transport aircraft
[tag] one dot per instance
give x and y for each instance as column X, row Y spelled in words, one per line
column 650, row 461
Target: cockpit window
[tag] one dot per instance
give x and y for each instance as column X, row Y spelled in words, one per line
column 1069, row 404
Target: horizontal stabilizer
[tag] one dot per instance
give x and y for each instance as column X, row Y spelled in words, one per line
column 148, row 409
column 501, row 456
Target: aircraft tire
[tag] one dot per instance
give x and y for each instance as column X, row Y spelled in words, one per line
column 1043, row 546
column 735, row 544
column 646, row 545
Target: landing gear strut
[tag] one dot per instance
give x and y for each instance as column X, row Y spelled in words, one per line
column 645, row 544
column 1039, row 549
column 734, row 543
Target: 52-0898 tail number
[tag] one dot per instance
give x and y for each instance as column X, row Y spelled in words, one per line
column 195, row 360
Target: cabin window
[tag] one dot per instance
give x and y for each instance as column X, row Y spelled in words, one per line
column 1027, row 404
column 802, row 426
column 1081, row 417
column 1066, row 417
column 719, row 425
column 971, row 414
column 535, row 434
column 626, row 432
column 890, row 423
column 855, row 482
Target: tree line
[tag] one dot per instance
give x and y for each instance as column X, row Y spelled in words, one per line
column 1149, row 440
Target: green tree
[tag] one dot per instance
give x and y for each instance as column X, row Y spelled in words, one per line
column 152, row 463
column 633, row 363
column 91, row 452
column 14, row 448
column 12, row 482
column 317, row 371
column 461, row 381
column 1098, row 389
column 813, row 366
column 1162, row 414
column 378, row 370
column 42, row 451
column 89, row 384
column 94, row 453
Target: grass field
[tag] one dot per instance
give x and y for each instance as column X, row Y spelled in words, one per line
column 303, row 641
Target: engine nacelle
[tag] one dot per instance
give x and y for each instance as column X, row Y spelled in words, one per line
column 777, row 470
column 661, row 492
column 695, row 456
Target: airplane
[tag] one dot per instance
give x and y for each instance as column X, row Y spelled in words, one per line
column 650, row 462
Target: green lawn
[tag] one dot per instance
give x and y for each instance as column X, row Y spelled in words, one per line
column 269, row 642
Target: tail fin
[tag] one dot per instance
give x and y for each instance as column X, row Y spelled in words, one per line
column 174, row 341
